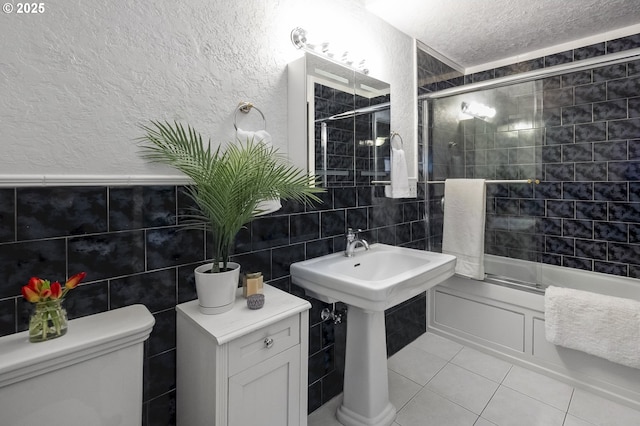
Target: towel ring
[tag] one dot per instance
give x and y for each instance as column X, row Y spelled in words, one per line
column 246, row 107
column 393, row 135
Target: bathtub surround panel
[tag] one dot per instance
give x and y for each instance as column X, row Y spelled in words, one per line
column 128, row 241
column 511, row 326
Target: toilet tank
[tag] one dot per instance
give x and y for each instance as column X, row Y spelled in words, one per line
column 92, row 376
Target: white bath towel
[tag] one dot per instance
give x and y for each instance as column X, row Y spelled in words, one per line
column 605, row 326
column 265, row 206
column 399, row 177
column 463, row 233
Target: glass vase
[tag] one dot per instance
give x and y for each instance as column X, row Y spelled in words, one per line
column 48, row 321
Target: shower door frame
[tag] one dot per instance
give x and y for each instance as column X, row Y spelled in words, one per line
column 425, row 99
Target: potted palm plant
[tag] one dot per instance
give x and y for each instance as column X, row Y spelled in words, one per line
column 228, row 186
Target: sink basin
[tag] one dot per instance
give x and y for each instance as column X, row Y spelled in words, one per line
column 375, row 279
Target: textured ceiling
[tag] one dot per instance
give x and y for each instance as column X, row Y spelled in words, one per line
column 475, row 32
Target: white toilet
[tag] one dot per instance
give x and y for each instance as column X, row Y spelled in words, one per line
column 92, row 376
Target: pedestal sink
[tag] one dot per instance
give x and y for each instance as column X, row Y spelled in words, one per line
column 370, row 282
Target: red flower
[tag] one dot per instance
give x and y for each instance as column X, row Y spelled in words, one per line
column 35, row 284
column 39, row 290
column 74, row 280
column 30, row 294
column 56, row 290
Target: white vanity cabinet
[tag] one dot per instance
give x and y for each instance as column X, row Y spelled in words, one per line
column 243, row 367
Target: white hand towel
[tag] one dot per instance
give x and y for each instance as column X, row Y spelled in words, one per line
column 463, row 233
column 399, row 177
column 264, row 206
column 604, row 326
column 257, row 136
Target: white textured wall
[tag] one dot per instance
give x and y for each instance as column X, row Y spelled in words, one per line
column 76, row 80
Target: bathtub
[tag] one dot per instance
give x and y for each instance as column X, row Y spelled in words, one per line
column 496, row 317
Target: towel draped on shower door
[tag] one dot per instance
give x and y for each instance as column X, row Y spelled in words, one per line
column 463, row 230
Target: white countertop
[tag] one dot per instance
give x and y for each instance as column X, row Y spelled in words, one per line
column 241, row 320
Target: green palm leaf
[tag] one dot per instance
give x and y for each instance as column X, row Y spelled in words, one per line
column 227, row 185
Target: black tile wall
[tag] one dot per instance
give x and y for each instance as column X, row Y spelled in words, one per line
column 587, row 52
column 106, row 254
column 51, row 212
column 587, row 208
column 7, row 215
column 405, row 323
column 128, row 241
column 141, row 207
column 20, row 260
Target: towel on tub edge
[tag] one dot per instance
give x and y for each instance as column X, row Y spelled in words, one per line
column 601, row 325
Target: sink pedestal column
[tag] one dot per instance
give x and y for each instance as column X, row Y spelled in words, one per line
column 366, row 383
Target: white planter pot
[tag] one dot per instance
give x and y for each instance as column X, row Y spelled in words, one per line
column 216, row 291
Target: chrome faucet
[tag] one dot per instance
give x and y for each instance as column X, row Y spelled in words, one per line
column 353, row 240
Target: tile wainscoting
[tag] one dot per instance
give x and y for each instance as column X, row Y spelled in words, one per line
column 130, row 242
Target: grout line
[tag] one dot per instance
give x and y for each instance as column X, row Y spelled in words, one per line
column 564, row 419
column 505, row 376
column 533, row 398
column 437, row 372
column 487, row 421
column 566, row 414
column 492, row 395
column 483, row 376
column 15, row 314
column 447, row 398
column 402, row 375
column 398, row 409
column 15, row 215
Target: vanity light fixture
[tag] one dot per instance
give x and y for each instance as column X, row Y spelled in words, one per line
column 370, row 142
column 478, row 110
column 299, row 40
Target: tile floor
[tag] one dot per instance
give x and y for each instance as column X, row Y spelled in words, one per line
column 435, row 381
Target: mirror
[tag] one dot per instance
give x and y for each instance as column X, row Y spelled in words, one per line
column 343, row 117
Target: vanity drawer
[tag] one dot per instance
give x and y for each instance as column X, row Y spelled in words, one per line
column 262, row 344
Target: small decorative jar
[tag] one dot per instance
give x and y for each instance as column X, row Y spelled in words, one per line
column 255, row 301
column 48, row 321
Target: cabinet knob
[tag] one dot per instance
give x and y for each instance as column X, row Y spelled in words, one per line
column 268, row 342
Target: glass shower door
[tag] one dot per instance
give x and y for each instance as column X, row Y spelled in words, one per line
column 495, row 134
